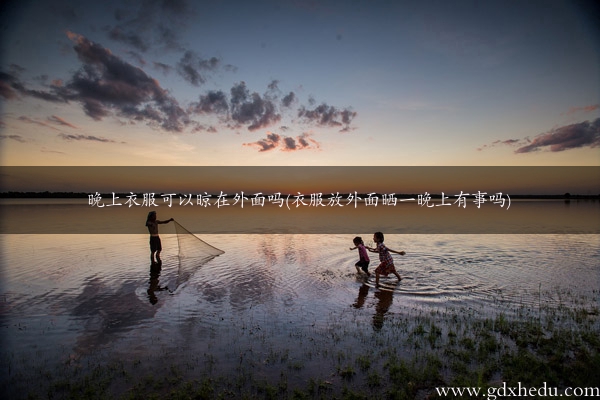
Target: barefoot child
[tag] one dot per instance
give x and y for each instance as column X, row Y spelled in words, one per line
column 386, row 265
column 364, row 260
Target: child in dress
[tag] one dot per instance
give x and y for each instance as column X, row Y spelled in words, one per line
column 386, row 265
column 363, row 262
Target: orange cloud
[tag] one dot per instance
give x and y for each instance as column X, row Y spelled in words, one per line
column 584, row 109
column 61, row 121
column 285, row 143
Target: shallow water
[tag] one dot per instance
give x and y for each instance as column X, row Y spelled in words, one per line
column 76, row 296
column 73, row 283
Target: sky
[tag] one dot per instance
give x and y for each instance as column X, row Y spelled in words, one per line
column 299, row 82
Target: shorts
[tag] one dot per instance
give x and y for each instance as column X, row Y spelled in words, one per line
column 385, row 268
column 155, row 244
column 364, row 265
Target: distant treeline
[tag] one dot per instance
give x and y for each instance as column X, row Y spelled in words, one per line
column 80, row 195
column 42, row 195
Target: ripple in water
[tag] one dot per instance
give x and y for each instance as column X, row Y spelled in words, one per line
column 89, row 287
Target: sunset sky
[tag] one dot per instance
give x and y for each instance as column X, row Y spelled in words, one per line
column 299, row 82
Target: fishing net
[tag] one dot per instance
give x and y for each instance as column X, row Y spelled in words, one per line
column 193, row 253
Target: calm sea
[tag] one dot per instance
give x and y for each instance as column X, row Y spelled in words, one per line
column 72, row 297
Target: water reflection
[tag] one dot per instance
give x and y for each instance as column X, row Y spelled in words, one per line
column 155, row 269
column 362, row 295
column 103, row 310
column 91, row 294
column 384, row 302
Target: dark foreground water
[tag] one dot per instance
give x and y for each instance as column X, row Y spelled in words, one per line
column 269, row 303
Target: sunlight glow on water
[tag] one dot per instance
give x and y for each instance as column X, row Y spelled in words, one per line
column 102, row 281
column 76, row 296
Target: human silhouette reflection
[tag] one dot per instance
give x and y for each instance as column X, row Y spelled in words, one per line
column 362, row 295
column 384, row 302
column 155, row 269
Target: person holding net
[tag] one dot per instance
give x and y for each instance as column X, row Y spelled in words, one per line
column 155, row 244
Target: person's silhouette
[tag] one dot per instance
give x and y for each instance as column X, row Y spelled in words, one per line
column 155, row 243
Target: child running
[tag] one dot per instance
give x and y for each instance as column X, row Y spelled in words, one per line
column 386, row 265
column 363, row 262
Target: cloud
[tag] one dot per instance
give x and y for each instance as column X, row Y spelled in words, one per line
column 154, row 23
column 585, row 109
column 60, row 121
column 326, row 115
column 7, row 89
column 285, row 143
column 255, row 111
column 33, row 121
column 52, row 151
column 164, row 68
column 137, row 57
column 583, row 134
column 273, row 86
column 85, row 137
column 44, row 95
column 252, row 109
column 18, row 138
column 288, row 99
column 204, row 128
column 269, row 143
column 129, row 37
column 213, row 102
column 507, row 142
column 11, row 87
column 106, row 84
column 191, row 67
column 241, row 108
column 302, row 142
